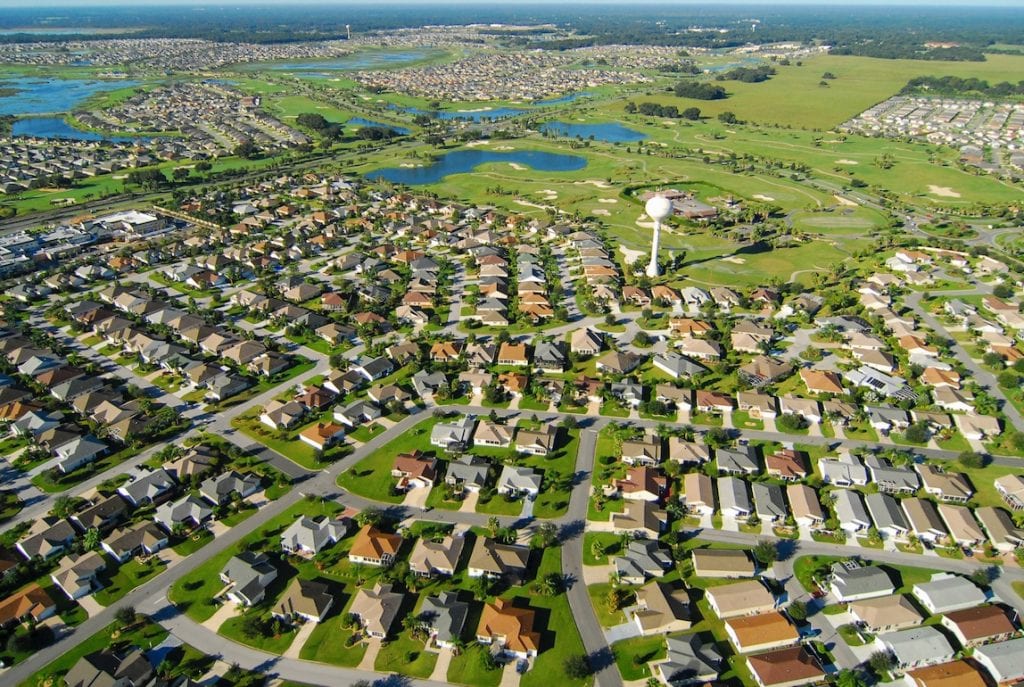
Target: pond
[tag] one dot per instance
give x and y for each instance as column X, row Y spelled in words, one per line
column 609, row 132
column 478, row 115
column 43, row 96
column 463, row 161
column 562, row 100
column 359, row 121
column 361, row 60
column 55, row 127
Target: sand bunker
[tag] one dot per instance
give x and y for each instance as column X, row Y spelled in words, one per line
column 761, row 196
column 516, row 166
column 528, row 204
column 479, row 109
column 593, row 182
column 602, row 212
column 609, row 201
column 409, row 165
column 474, row 144
column 644, row 223
column 733, row 259
column 942, row 191
column 845, row 201
column 504, row 148
column 631, row 255
column 844, row 161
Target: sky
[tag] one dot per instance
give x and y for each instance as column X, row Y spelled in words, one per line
column 706, row 3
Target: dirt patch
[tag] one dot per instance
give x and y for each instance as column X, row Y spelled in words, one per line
column 942, row 191
column 761, row 196
column 609, row 201
column 845, row 201
column 630, row 255
column 601, row 211
column 516, row 166
column 734, row 259
column 844, row 161
column 593, row 182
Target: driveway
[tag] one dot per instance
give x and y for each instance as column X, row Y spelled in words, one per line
column 622, row 631
column 509, row 676
column 301, row 636
column 469, row 503
column 444, row 659
column 416, row 498
column 226, row 611
column 372, row 649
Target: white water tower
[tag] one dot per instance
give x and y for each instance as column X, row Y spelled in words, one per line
column 348, row 30
column 658, row 209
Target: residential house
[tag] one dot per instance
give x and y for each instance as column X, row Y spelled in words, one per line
column 309, row 536
column 698, row 494
column 761, row 632
column 518, row 482
column 377, row 609
column 851, row 581
column 885, row 613
column 642, row 560
column 429, row 557
column 309, row 600
column 445, row 616
column 374, row 547
column 721, row 563
column 495, row 560
column 414, row 471
column 749, row 597
column 945, row 593
column 223, row 487
column 510, row 628
column 78, row 575
column 660, row 608
column 141, row 539
column 790, row 667
column 734, row 498
column 916, row 647
column 248, row 574
column 979, row 625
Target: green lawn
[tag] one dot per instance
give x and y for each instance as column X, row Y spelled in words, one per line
column 128, row 577
column 10, row 505
column 471, row 668
column 406, row 656
column 194, row 542
column 291, row 447
column 611, row 542
column 633, row 655
column 327, row 644
column 276, row 644
column 371, row 477
column 500, row 505
column 598, row 599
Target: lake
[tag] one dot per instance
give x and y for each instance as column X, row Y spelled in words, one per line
column 608, row 132
column 562, row 100
column 463, row 161
column 359, row 121
column 44, row 96
column 478, row 115
column 356, row 61
column 55, row 127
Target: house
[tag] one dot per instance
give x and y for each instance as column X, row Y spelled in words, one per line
column 510, row 353
column 414, row 470
column 733, row 498
column 642, row 560
column 758, row 405
column 960, row 673
column 645, row 452
column 248, row 574
column 377, row 609
column 540, row 442
column 791, row 667
column 376, row 368
column 689, row 660
column 850, row 511
column 517, row 482
column 495, row 560
column 1003, row 661
column 429, row 558
column 188, row 511
column 677, row 366
column 322, row 435
column 309, row 536
column 445, row 617
column 763, row 370
column 979, row 625
column 467, row 472
column 737, row 461
column 769, row 502
column 945, row 593
column 761, row 632
column 616, row 363
column 844, row 471
column 923, row 518
column 749, row 597
column 713, row 402
column 141, row 539
column 963, row 528
column 1011, row 489
column 108, row 668
column 102, row 515
column 489, row 433
column 721, row 563
column 916, row 647
column 805, row 506
column 1000, row 528
column 585, row 342
column 642, row 484
column 642, row 519
column 454, row 436
column 374, row 547
column 550, row 356
column 821, row 381
column 78, row 452
column 851, row 581
column 309, row 600
column 687, row 452
column 32, row 604
column 786, row 464
column 78, row 576
column 885, row 511
column 47, row 538
column 698, row 494
column 223, row 487
column 952, row 487
column 977, row 427
column 885, row 613
column 510, row 628
column 660, row 608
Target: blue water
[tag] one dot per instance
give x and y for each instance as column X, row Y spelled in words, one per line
column 55, row 127
column 359, row 121
column 612, row 133
column 368, row 60
column 561, row 100
column 481, row 115
column 43, row 96
column 463, row 161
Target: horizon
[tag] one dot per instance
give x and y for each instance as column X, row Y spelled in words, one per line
column 83, row 4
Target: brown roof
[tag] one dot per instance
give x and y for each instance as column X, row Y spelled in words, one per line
column 953, row 674
column 762, row 629
column 787, row 463
column 372, row 543
column 501, row 618
column 981, row 622
column 785, row 666
column 31, row 600
column 416, row 465
column 822, row 381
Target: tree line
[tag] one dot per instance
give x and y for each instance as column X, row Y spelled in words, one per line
column 956, row 85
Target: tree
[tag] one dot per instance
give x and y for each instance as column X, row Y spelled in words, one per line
column 91, row 540
column 766, row 552
column 728, row 117
column 577, row 667
column 370, row 516
column 125, row 615
column 546, row 535
column 797, row 610
column 972, row 460
column 917, row 433
column 691, row 113
column 881, row 662
column 63, row 506
column 850, row 678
